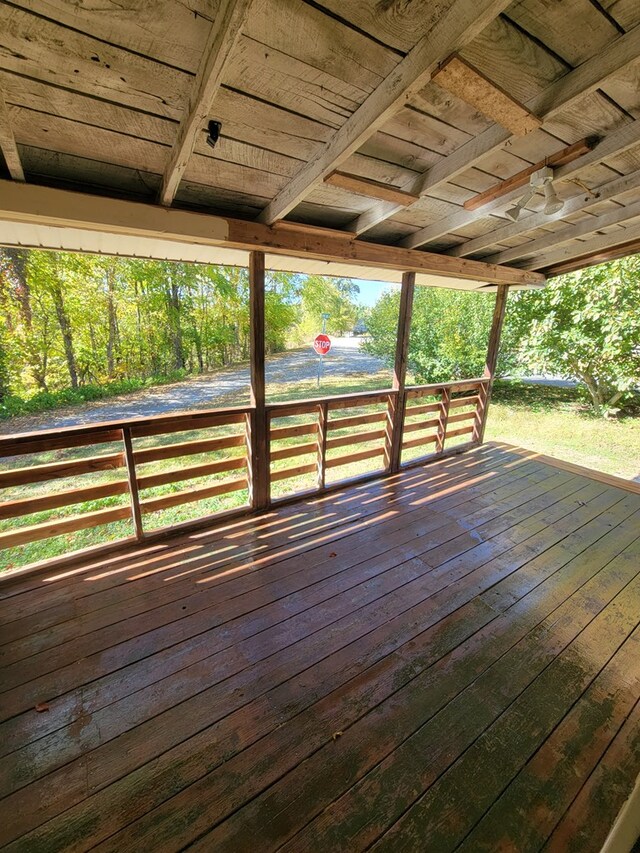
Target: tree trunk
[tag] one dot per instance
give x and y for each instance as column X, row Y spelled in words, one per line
column 113, row 323
column 176, row 326
column 18, row 259
column 65, row 329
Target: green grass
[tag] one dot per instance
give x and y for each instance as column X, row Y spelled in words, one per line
column 557, row 422
column 548, row 420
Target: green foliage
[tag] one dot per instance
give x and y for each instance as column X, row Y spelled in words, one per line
column 586, row 326
column 81, row 327
column 449, row 332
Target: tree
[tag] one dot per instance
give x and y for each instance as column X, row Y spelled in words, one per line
column 584, row 326
column 449, row 332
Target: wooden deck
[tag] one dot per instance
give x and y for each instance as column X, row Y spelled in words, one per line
column 445, row 659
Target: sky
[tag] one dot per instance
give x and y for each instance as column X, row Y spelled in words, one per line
column 371, row 291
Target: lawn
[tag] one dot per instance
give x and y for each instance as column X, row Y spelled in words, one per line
column 556, row 421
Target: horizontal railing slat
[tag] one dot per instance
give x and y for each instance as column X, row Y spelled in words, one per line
column 356, row 438
column 355, row 457
column 357, row 420
column 20, row 446
column 191, row 495
column 60, row 470
column 177, row 474
column 416, row 442
column 187, row 448
column 48, row 529
column 278, row 433
column 460, row 431
column 27, row 506
column 294, row 450
column 297, row 471
column 420, row 425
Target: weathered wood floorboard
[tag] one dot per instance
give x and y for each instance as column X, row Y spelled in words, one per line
column 447, row 657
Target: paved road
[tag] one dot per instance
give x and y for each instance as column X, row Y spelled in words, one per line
column 203, row 391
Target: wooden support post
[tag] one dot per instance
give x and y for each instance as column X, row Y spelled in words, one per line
column 443, row 417
column 136, row 514
column 400, row 368
column 492, row 361
column 259, row 431
column 323, row 419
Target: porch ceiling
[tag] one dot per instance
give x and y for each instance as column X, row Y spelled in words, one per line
column 116, row 100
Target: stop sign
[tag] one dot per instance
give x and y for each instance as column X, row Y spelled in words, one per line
column 322, row 344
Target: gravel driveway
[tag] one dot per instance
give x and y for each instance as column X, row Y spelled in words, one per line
column 199, row 392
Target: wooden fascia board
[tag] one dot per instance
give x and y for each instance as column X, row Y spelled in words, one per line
column 459, row 25
column 63, row 208
column 560, row 95
column 224, row 34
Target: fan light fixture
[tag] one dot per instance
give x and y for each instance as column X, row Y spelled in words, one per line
column 540, row 180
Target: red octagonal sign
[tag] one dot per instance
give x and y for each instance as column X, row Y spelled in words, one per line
column 322, row 344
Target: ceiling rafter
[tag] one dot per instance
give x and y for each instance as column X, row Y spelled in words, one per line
column 8, row 143
column 576, row 84
column 571, row 232
column 596, row 243
column 459, row 25
column 529, row 223
column 223, row 36
column 616, row 143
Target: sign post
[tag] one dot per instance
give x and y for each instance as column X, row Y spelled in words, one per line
column 322, row 345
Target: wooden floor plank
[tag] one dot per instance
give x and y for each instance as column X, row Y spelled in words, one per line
column 338, row 673
column 68, row 824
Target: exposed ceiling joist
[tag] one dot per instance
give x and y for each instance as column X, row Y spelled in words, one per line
column 460, row 24
column 571, row 232
column 470, row 85
column 620, row 250
column 521, row 179
column 64, row 209
column 594, row 244
column 617, row 142
column 8, row 143
column 537, row 220
column 225, row 31
column 583, row 80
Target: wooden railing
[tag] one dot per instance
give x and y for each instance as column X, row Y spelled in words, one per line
column 312, row 445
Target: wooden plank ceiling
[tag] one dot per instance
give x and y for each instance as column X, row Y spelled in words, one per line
column 113, row 97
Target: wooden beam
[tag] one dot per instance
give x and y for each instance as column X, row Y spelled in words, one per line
column 259, row 462
column 491, row 363
column 400, row 368
column 454, row 28
column 225, row 31
column 561, row 94
column 372, row 189
column 559, row 158
column 63, row 209
column 571, row 232
column 459, row 77
column 597, row 246
column 536, row 220
column 615, row 143
column 622, row 250
column 8, row 143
